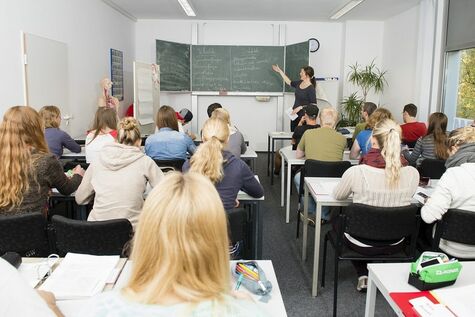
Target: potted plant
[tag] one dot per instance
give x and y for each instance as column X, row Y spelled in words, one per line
column 351, row 110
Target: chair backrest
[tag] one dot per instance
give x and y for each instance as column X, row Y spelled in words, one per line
column 457, row 226
column 381, row 223
column 237, row 224
column 167, row 165
column 24, row 234
column 432, row 168
column 91, row 237
column 315, row 168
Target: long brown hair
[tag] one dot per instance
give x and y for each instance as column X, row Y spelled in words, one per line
column 21, row 131
column 166, row 118
column 438, row 129
column 104, row 118
column 378, row 115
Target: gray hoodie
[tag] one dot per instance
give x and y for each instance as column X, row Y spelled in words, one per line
column 117, row 181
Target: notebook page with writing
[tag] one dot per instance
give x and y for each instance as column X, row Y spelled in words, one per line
column 80, row 276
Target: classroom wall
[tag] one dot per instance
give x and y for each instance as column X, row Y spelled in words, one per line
column 89, row 28
column 400, row 56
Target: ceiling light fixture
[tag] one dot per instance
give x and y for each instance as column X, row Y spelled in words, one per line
column 187, row 8
column 347, row 8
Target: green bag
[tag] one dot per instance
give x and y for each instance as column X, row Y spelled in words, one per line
column 434, row 270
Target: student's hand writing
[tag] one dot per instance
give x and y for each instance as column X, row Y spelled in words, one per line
column 50, row 300
column 78, row 170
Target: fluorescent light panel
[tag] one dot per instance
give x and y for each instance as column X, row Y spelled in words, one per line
column 347, row 8
column 187, row 8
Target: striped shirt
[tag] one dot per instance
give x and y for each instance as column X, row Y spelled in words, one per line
column 424, row 148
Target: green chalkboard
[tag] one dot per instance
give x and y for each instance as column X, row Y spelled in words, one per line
column 236, row 68
column 211, row 67
column 174, row 61
column 296, row 57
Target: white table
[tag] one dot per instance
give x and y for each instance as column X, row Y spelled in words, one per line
column 251, row 156
column 321, row 189
column 289, row 158
column 274, row 307
column 271, row 138
column 392, row 277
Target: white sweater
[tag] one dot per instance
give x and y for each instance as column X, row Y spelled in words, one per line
column 455, row 190
column 368, row 186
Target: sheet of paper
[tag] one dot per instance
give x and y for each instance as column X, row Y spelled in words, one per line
column 33, row 272
column 326, row 187
column 426, row 308
column 72, row 308
column 458, row 299
column 80, row 276
column 291, row 116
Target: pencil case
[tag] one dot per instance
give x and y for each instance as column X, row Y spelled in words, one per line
column 259, row 285
column 434, row 270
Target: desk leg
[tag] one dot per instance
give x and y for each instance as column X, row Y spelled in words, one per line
column 272, row 162
column 370, row 296
column 268, row 154
column 305, row 223
column 316, row 249
column 259, row 232
column 289, row 182
column 282, row 183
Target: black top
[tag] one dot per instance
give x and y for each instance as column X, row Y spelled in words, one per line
column 299, row 131
column 303, row 96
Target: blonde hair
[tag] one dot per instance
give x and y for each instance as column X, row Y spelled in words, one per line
column 221, row 114
column 181, row 243
column 21, row 129
column 208, row 159
column 378, row 115
column 461, row 136
column 128, row 131
column 50, row 115
column 328, row 116
column 388, row 135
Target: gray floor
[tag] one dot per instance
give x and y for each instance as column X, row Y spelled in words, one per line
column 293, row 275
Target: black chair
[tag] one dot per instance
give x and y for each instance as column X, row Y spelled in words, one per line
column 239, row 231
column 24, row 234
column 91, row 237
column 378, row 224
column 456, row 226
column 432, row 168
column 315, row 168
column 170, row 165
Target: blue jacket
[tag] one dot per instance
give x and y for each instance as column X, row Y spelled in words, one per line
column 168, row 144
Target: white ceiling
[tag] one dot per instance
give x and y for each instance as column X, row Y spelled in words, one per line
column 262, row 10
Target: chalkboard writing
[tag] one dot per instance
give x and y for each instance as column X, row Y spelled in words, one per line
column 251, row 68
column 296, row 57
column 174, row 61
column 211, row 68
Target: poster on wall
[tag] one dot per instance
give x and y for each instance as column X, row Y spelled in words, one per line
column 117, row 74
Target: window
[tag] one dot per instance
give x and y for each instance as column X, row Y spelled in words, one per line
column 459, row 98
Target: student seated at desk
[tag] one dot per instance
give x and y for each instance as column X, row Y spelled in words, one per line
column 307, row 122
column 455, row 189
column 411, row 129
column 236, row 144
column 362, row 143
column 28, row 171
column 433, row 144
column 367, row 110
column 56, row 138
column 323, row 144
column 382, row 180
column 103, row 132
column 168, row 143
column 118, row 178
column 227, row 172
column 180, row 257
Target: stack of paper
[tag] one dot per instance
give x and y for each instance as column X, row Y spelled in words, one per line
column 460, row 300
column 80, row 276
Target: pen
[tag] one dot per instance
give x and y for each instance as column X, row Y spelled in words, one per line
column 239, row 282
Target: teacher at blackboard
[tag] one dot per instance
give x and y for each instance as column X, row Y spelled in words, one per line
column 305, row 92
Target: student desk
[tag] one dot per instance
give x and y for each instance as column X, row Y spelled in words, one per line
column 274, row 307
column 82, row 139
column 392, row 277
column 289, row 157
column 271, row 138
column 321, row 189
column 250, row 156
